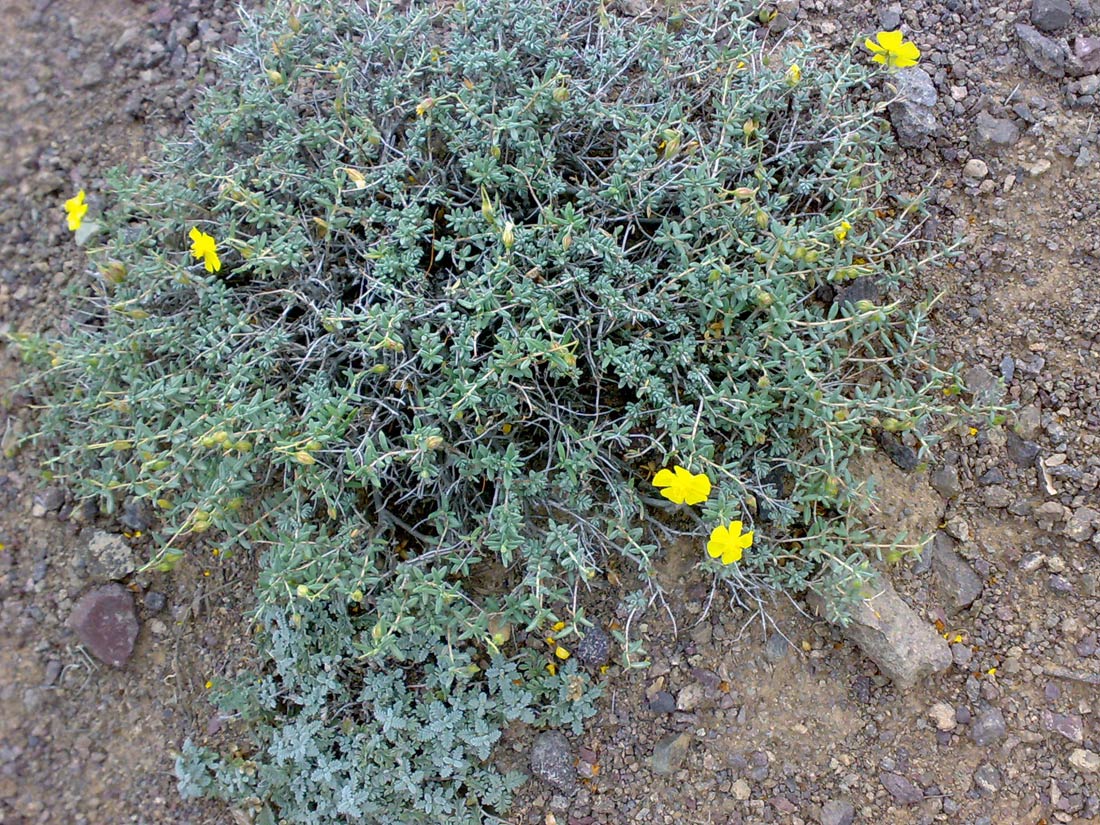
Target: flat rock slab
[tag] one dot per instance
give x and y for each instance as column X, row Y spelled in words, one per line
column 109, row 557
column 905, row 647
column 552, row 761
column 669, row 753
column 105, row 623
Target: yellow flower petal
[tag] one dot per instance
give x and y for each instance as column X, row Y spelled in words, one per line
column 719, row 541
column 664, row 478
column 681, row 486
column 872, row 45
column 75, row 209
column 731, row 555
column 728, row 543
column 890, row 40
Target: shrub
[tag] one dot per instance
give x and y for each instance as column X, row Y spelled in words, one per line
column 483, row 269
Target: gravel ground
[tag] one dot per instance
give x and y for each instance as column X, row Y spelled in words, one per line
column 735, row 722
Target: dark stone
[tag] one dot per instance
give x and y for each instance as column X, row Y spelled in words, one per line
column 992, row 131
column 105, row 623
column 993, row 475
column 155, row 601
column 903, row 791
column 552, row 761
column 135, row 515
column 1051, row 15
column 945, row 481
column 1047, row 55
column 902, row 456
column 669, row 753
column 911, row 113
column 776, row 648
column 860, row 289
column 662, row 702
column 959, row 584
column 987, row 779
column 51, row 499
column 1060, row 584
column 1022, row 452
column 594, row 648
column 989, row 728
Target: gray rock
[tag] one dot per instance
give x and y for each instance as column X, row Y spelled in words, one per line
column 993, row 475
column 961, row 655
column 987, row 779
column 989, row 728
column 861, row 289
column 903, row 791
column 50, row 499
column 1085, row 761
column 135, row 515
column 1069, row 725
column 594, row 648
column 105, row 623
column 1080, row 525
column 997, row 496
column 981, row 384
column 155, row 601
column 1086, row 50
column 945, row 481
column 992, row 131
column 975, row 168
column 108, row 556
column 662, row 702
column 1060, row 584
column 1051, row 15
column 911, row 114
column 889, row 19
column 959, row 584
column 837, row 812
column 1021, row 451
column 776, row 648
column 669, row 753
column 903, row 457
column 691, row 697
column 905, row 648
column 1047, row 55
column 552, row 761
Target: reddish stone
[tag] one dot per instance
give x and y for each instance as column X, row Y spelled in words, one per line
column 105, row 622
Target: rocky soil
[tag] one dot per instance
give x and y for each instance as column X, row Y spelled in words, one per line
column 739, row 720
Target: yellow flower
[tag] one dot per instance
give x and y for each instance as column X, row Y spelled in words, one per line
column 682, row 486
column 841, row 232
column 794, row 74
column 203, row 246
column 893, row 50
column 727, row 543
column 75, row 208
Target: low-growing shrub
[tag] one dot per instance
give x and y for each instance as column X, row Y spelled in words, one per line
column 419, row 308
